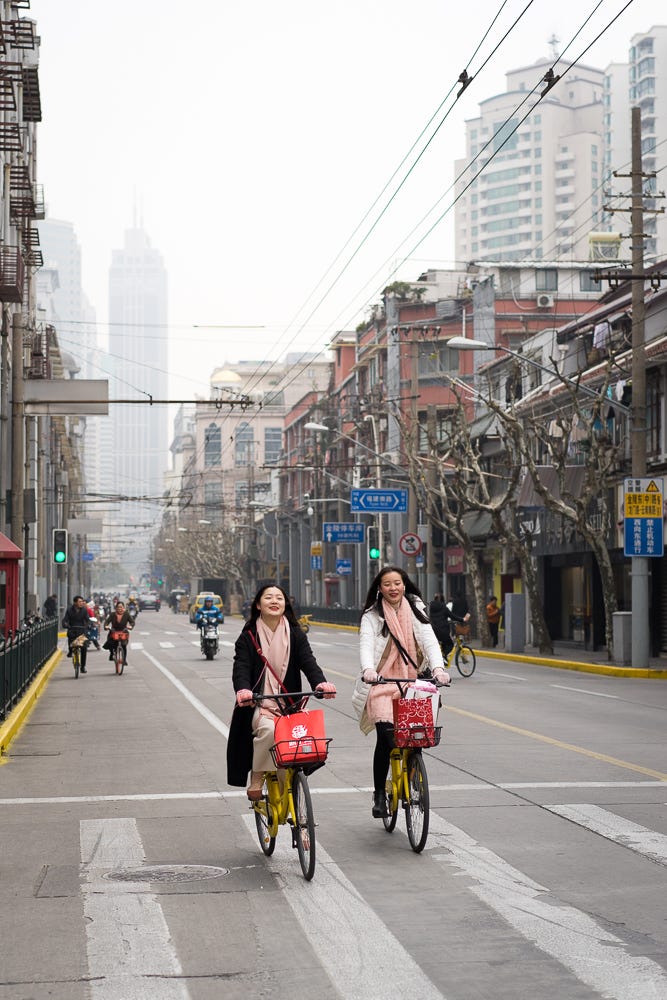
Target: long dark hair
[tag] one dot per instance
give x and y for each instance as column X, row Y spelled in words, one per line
column 412, row 593
column 254, row 610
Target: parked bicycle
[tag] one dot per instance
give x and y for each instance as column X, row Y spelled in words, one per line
column 463, row 656
column 407, row 784
column 286, row 796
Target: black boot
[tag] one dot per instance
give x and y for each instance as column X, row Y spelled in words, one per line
column 379, row 805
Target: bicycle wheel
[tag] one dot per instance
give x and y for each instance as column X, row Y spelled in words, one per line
column 76, row 660
column 118, row 659
column 305, row 825
column 417, row 811
column 263, row 823
column 466, row 661
column 390, row 820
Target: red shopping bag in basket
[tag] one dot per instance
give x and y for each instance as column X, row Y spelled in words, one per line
column 300, row 739
column 413, row 723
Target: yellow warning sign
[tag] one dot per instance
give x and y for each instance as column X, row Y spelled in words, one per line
column 643, row 504
column 652, row 487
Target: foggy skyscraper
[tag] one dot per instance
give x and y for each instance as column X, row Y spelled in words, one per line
column 138, row 358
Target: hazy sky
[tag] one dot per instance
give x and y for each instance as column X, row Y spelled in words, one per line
column 251, row 138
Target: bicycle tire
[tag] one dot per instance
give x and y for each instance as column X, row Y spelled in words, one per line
column 118, row 660
column 417, row 807
column 304, row 824
column 306, row 628
column 466, row 661
column 76, row 661
column 263, row 824
column 390, row 820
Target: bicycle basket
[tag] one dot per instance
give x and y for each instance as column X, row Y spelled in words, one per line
column 300, row 739
column 414, row 723
column 119, row 636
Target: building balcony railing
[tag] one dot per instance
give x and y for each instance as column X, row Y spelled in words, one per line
column 12, row 274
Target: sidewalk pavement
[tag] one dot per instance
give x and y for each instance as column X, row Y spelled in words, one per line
column 569, row 657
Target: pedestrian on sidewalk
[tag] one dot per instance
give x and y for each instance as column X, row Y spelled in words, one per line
column 493, row 616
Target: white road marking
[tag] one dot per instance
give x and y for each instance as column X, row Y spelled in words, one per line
column 136, row 645
column 349, row 790
column 359, row 953
column 594, row 955
column 130, row 952
column 622, row 831
column 511, row 677
column 203, row 710
column 166, row 645
column 320, row 645
column 596, row 694
column 227, row 642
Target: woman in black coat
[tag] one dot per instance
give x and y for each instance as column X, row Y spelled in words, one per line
column 272, row 634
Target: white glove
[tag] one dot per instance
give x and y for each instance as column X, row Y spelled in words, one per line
column 442, row 677
column 369, row 675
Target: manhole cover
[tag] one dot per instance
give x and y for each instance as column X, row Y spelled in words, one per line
column 167, row 873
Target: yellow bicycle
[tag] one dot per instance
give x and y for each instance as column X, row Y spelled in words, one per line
column 407, row 784
column 463, row 656
column 285, row 795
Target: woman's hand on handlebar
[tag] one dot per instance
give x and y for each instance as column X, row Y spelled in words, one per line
column 244, row 697
column 328, row 690
column 370, row 676
column 441, row 678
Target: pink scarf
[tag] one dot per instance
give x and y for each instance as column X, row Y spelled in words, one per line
column 276, row 649
column 400, row 624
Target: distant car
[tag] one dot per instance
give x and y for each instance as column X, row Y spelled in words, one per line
column 199, row 603
column 149, row 601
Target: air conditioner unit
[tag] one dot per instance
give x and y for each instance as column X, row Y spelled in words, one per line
column 544, row 300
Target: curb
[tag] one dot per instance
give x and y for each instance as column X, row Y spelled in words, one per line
column 19, row 715
column 588, row 668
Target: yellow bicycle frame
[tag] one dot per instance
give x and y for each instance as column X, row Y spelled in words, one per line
column 281, row 803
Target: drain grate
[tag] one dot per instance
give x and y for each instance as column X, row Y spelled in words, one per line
column 166, row 873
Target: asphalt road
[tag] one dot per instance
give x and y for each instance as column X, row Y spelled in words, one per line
column 129, row 869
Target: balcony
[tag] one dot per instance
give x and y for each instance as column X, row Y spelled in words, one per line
column 12, row 274
column 19, row 33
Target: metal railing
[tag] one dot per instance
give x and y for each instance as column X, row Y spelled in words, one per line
column 22, row 655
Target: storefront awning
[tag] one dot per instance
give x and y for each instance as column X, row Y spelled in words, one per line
column 549, row 477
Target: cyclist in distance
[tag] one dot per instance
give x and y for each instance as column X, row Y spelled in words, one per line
column 208, row 615
column 396, row 639
column 119, row 620
column 76, row 620
column 270, row 655
column 441, row 616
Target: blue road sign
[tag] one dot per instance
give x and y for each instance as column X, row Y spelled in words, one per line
column 643, row 536
column 344, row 567
column 343, row 531
column 87, row 556
column 316, row 562
column 378, row 501
column 643, row 503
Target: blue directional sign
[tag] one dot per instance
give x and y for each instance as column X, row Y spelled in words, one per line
column 378, row 501
column 343, row 567
column 343, row 531
column 87, row 556
column 316, row 562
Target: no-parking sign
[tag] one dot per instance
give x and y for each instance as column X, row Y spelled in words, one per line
column 410, row 544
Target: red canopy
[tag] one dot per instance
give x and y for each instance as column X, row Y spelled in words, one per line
column 8, row 550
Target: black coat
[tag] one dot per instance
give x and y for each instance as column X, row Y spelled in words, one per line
column 248, row 672
column 76, row 621
column 441, row 616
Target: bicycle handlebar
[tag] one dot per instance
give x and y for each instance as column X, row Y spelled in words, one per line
column 402, row 680
column 288, row 694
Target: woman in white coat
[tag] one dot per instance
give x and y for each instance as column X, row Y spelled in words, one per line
column 395, row 640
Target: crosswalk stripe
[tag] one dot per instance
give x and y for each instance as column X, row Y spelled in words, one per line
column 166, row 645
column 359, row 953
column 622, row 831
column 130, row 952
column 593, row 954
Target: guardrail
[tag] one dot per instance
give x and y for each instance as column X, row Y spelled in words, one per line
column 22, row 655
column 332, row 616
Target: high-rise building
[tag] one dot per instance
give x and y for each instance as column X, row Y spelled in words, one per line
column 138, row 349
column 648, row 91
column 540, row 195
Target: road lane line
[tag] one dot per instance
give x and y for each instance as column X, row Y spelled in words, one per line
column 511, row 677
column 558, row 743
column 361, row 956
column 136, row 645
column 596, row 694
column 130, row 952
column 200, row 707
column 621, row 831
column 594, row 955
column 166, row 645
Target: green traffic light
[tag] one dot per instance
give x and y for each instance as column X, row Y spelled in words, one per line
column 59, row 557
column 374, row 553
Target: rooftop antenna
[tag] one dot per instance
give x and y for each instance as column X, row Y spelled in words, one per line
column 553, row 42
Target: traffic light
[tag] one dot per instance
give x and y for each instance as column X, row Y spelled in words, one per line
column 373, row 545
column 60, row 546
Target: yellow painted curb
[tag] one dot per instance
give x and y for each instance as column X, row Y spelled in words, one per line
column 588, row 668
column 18, row 717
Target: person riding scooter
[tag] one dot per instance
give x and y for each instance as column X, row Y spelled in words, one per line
column 208, row 615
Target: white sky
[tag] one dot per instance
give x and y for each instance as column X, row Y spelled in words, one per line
column 253, row 137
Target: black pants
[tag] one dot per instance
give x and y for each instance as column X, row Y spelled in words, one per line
column 493, row 629
column 383, row 747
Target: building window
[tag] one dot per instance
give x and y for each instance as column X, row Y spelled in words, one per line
column 434, row 359
column 273, row 438
column 213, row 501
column 586, row 282
column 546, row 279
column 212, row 445
column 243, row 445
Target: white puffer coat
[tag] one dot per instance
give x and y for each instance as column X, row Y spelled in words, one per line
column 372, row 642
